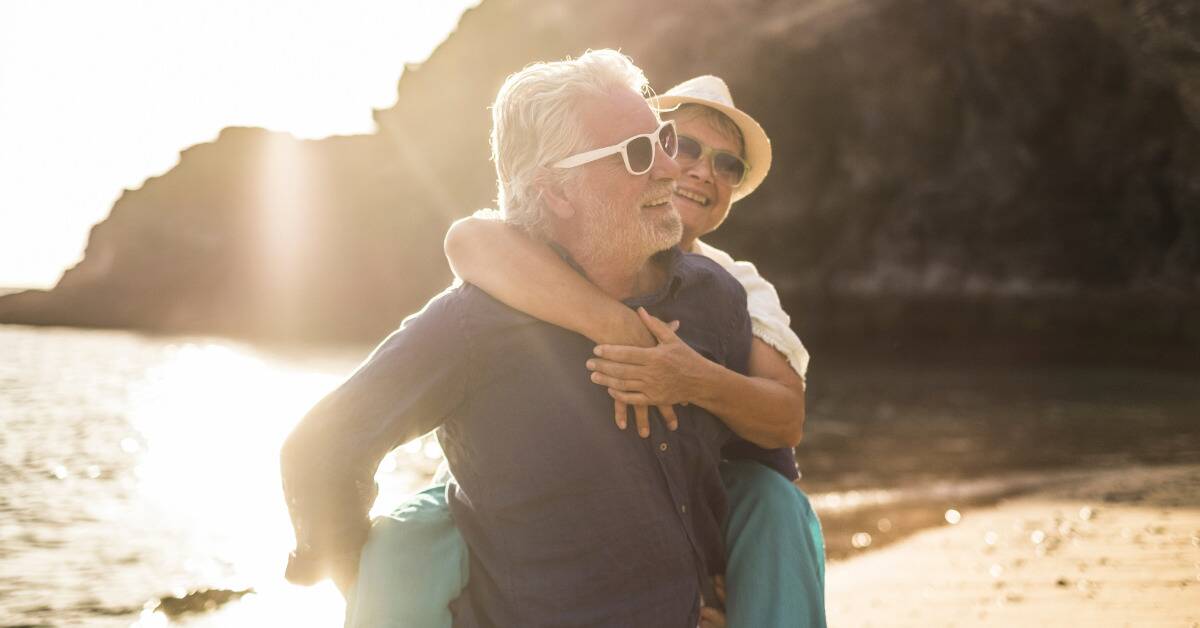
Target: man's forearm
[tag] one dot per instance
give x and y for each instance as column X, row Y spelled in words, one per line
column 328, row 506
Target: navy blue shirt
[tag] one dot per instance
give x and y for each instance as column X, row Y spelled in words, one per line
column 569, row 521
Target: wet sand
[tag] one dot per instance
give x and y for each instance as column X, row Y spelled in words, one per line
column 1117, row 547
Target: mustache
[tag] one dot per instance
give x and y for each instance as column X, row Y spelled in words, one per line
column 658, row 192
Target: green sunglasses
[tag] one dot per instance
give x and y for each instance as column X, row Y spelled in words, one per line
column 726, row 166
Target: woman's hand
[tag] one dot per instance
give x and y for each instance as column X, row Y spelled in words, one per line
column 663, row 375
column 660, row 376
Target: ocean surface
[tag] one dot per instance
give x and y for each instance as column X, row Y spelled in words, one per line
column 137, row 469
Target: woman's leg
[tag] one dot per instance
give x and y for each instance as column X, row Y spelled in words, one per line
column 775, row 568
column 413, row 565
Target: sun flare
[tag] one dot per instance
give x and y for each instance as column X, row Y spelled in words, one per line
column 106, row 94
column 209, row 421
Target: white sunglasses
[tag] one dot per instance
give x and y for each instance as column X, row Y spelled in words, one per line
column 637, row 152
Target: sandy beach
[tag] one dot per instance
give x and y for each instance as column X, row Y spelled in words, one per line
column 1118, row 547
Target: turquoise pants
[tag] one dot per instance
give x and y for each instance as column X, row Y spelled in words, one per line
column 415, row 561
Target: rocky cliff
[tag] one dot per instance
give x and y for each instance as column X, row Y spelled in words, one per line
column 947, row 173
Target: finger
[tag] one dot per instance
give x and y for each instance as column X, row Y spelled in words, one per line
column 674, row 325
column 711, row 618
column 620, row 413
column 668, row 415
column 623, row 353
column 614, row 369
column 617, row 382
column 657, row 327
column 719, row 587
column 642, row 414
column 630, row 398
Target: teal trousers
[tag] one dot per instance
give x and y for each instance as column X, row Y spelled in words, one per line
column 775, row 552
column 415, row 561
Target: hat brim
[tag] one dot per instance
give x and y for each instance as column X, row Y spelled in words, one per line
column 758, row 145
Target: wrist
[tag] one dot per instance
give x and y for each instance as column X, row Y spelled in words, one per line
column 704, row 382
column 601, row 330
column 620, row 326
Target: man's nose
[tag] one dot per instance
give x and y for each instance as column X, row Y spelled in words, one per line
column 665, row 167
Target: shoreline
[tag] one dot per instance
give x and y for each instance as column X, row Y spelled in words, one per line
column 895, row 346
column 1108, row 547
column 1100, row 547
column 857, row 522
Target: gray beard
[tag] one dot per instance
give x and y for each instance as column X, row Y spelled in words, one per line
column 610, row 240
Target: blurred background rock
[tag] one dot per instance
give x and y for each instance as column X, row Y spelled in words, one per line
column 1011, row 179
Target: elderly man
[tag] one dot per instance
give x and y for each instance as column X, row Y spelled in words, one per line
column 569, row 522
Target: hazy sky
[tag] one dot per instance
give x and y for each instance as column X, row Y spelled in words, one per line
column 97, row 96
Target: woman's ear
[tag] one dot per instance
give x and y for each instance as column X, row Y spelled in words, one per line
column 551, row 192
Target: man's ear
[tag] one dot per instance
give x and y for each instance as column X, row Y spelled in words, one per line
column 552, row 194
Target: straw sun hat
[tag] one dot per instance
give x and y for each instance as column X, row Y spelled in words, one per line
column 711, row 91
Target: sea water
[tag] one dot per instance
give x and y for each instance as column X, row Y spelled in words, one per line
column 135, row 468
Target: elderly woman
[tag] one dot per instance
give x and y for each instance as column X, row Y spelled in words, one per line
column 415, row 563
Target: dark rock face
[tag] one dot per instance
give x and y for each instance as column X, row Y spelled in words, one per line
column 945, row 170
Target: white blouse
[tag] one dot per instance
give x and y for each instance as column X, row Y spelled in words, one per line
column 767, row 318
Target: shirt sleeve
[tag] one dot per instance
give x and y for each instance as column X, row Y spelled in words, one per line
column 407, row 386
column 768, row 320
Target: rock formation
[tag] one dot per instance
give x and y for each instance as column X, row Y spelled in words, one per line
column 948, row 173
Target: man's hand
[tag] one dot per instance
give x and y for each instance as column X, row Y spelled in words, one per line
column 345, row 575
column 709, row 616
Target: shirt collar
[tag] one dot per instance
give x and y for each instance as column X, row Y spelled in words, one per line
column 672, row 260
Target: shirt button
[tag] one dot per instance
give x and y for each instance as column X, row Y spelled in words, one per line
column 683, row 508
column 662, row 446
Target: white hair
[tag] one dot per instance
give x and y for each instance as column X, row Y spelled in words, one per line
column 535, row 122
